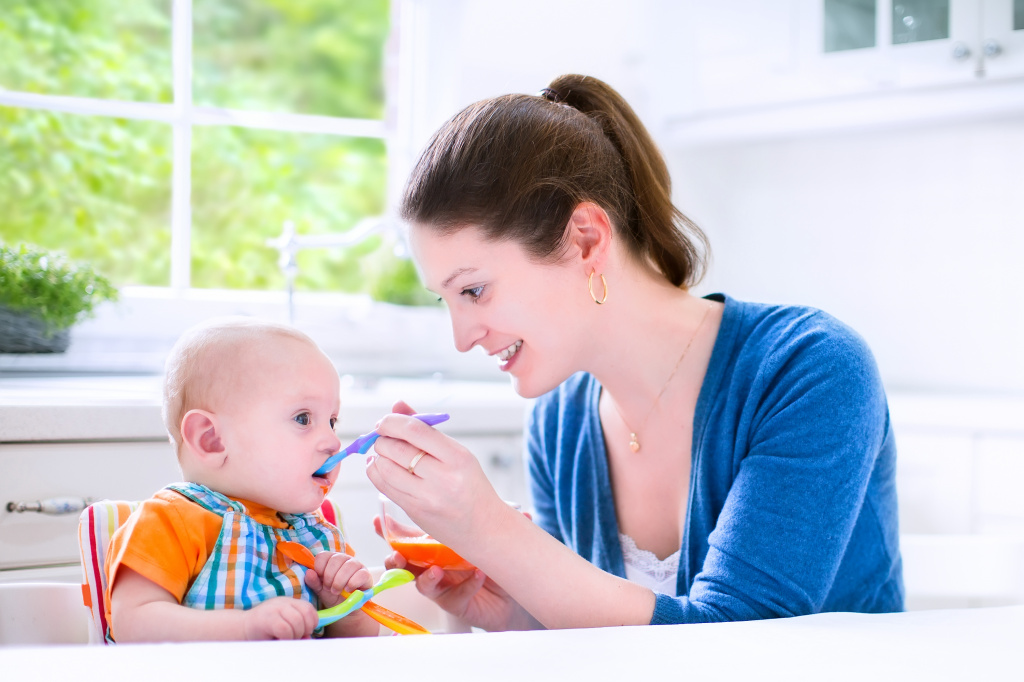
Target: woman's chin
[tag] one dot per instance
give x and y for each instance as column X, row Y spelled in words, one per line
column 530, row 389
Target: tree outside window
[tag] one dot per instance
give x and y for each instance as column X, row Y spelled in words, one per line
column 87, row 155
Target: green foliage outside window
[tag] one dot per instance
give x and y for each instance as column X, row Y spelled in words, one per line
column 98, row 188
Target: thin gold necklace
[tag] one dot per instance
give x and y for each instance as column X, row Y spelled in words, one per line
column 634, row 442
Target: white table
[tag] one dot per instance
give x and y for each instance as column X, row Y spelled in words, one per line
column 976, row 644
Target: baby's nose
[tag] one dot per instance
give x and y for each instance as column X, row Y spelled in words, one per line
column 331, row 443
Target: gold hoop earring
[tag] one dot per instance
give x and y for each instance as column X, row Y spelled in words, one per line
column 590, row 287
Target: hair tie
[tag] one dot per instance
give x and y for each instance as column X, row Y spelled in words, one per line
column 550, row 95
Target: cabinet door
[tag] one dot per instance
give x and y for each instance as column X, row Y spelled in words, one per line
column 864, row 46
column 120, row 471
column 1002, row 38
column 725, row 57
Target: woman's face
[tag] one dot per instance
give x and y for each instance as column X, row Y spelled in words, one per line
column 527, row 315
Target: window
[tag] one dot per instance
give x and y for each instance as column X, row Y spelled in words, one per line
column 166, row 141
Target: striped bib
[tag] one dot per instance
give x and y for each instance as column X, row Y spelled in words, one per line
column 244, row 569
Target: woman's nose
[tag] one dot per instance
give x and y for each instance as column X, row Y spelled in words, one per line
column 466, row 331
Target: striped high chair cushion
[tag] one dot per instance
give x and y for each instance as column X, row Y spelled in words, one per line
column 97, row 524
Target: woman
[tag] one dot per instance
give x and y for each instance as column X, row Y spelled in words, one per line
column 690, row 459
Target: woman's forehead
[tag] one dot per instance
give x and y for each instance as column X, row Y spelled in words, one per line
column 443, row 258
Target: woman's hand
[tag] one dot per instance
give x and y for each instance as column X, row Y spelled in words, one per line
column 474, row 598
column 446, row 481
column 469, row 595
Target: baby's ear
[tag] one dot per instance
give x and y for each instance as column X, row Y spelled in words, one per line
column 199, row 433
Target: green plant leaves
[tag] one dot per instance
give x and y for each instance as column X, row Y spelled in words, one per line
column 49, row 286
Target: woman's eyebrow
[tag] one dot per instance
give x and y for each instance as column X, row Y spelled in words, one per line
column 460, row 271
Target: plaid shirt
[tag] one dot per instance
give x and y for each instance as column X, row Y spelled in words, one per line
column 244, row 569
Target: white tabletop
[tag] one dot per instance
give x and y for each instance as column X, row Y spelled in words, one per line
column 981, row 644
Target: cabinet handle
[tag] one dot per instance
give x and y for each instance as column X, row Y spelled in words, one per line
column 500, row 462
column 961, row 51
column 991, row 48
column 55, row 506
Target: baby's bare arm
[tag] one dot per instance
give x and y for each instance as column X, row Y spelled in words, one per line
column 142, row 611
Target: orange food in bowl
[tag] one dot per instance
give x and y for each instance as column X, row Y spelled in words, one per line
column 425, row 551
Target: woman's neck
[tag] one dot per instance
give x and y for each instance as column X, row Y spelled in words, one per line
column 643, row 336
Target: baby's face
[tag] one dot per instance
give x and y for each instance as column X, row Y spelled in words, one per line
column 278, row 422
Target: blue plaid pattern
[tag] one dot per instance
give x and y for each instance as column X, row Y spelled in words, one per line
column 244, row 567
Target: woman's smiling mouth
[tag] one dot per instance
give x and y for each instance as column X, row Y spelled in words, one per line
column 506, row 354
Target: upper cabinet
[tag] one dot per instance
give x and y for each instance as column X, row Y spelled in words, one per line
column 750, row 58
column 866, row 45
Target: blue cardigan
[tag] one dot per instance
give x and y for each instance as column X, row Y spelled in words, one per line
column 792, row 490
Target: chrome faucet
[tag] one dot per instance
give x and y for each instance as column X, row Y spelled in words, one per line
column 289, row 243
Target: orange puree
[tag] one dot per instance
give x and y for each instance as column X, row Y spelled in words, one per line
column 426, row 551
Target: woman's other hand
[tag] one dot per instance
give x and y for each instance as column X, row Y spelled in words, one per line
column 468, row 595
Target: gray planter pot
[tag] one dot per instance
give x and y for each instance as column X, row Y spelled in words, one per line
column 24, row 333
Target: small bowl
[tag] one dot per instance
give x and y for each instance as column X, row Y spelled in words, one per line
column 418, row 548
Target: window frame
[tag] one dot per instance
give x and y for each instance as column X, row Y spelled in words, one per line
column 183, row 115
column 363, row 337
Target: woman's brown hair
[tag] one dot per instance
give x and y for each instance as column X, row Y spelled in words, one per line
column 517, row 166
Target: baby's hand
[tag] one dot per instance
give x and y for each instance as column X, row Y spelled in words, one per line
column 333, row 573
column 281, row 618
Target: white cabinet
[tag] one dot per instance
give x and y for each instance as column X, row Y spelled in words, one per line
column 40, row 471
column 910, row 43
column 771, row 66
column 960, row 460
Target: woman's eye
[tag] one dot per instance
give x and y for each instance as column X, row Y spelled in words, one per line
column 473, row 292
column 303, row 418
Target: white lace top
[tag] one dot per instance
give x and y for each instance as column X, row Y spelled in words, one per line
column 645, row 568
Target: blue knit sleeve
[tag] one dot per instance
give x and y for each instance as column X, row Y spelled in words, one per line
column 805, row 420
column 539, row 474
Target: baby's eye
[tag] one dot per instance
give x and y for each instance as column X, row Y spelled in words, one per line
column 303, row 418
column 334, row 420
column 473, row 292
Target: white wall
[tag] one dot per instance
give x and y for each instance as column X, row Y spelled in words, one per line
column 915, row 237
column 471, row 49
column 912, row 235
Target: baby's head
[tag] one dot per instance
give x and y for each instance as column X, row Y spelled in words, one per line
column 250, row 406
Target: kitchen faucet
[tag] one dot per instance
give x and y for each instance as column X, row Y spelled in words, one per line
column 288, row 243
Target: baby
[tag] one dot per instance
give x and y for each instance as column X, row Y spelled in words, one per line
column 250, row 406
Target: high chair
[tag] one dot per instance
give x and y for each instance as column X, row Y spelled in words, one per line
column 34, row 613
column 96, row 525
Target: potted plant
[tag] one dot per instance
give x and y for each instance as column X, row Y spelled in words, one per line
column 42, row 295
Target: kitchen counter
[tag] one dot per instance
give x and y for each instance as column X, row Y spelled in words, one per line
column 982, row 644
column 105, row 407
column 101, row 407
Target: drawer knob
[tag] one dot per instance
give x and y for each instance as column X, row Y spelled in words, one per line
column 54, row 506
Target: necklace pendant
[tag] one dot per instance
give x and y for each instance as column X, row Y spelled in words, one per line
column 634, row 444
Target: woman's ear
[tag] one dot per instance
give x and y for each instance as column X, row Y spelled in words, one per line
column 199, row 433
column 590, row 231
